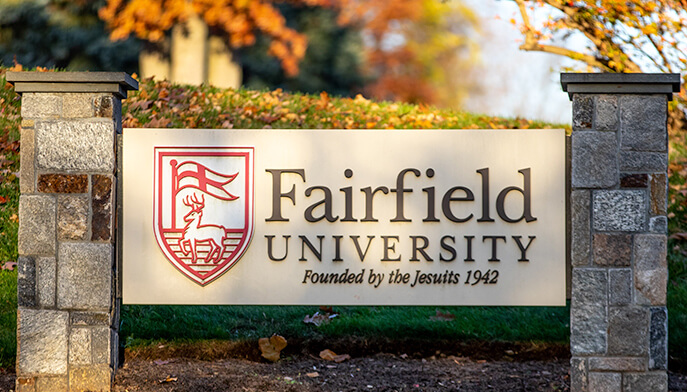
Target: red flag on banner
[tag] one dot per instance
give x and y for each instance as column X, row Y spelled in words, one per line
column 194, row 175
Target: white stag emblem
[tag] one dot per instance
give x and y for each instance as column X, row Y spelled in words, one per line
column 195, row 232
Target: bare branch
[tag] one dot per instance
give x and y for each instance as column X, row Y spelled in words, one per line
column 586, row 58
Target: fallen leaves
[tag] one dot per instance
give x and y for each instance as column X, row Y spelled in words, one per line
column 329, row 355
column 8, row 266
column 271, row 347
column 678, row 236
column 168, row 380
column 319, row 318
column 163, row 104
column 441, row 316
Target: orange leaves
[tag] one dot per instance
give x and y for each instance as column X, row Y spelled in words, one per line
column 162, row 104
column 271, row 347
column 238, row 19
column 623, row 36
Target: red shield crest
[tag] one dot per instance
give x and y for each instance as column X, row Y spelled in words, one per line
column 203, row 208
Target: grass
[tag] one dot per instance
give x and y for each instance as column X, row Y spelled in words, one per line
column 8, row 317
column 144, row 324
column 677, row 305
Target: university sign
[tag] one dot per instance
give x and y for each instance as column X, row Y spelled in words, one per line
column 441, row 217
column 370, row 217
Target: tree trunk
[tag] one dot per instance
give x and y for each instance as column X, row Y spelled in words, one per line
column 223, row 71
column 189, row 52
column 153, row 61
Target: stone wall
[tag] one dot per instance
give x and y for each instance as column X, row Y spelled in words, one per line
column 67, row 294
column 618, row 317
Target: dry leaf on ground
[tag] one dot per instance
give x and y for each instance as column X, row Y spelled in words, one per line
column 271, row 347
column 329, row 355
column 678, row 236
column 168, row 380
column 319, row 318
column 441, row 316
column 10, row 265
column 313, row 374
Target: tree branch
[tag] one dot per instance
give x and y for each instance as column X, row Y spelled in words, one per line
column 586, row 58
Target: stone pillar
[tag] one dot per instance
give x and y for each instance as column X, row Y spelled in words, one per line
column 618, row 316
column 67, row 286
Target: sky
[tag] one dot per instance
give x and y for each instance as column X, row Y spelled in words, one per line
column 515, row 83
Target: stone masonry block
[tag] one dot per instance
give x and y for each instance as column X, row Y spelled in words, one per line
column 41, row 105
column 46, row 273
column 52, row 384
column 72, row 217
column 605, row 382
column 101, row 344
column 620, row 286
column 102, row 227
column 42, row 342
column 633, row 161
column 580, row 243
column 650, row 251
column 80, row 346
column 579, row 374
column 63, row 183
column 619, row 210
column 658, row 339
column 583, row 111
column 26, row 384
column 93, row 378
column 643, row 122
column 90, row 318
column 26, row 282
column 644, row 382
column 634, row 180
column 588, row 321
column 659, row 194
column 105, row 106
column 613, row 250
column 36, row 225
column 651, row 286
column 594, row 160
column 606, row 114
column 658, row 224
column 618, row 364
column 75, row 145
column 27, row 172
column 84, row 276
column 628, row 331
column 78, row 105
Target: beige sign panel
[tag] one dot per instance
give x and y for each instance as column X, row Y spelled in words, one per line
column 365, row 217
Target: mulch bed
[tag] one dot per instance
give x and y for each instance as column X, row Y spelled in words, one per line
column 379, row 365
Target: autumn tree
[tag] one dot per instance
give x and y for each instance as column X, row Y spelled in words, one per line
column 620, row 36
column 415, row 49
column 239, row 20
column 412, row 47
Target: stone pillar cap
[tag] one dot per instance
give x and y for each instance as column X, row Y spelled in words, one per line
column 621, row 83
column 117, row 83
